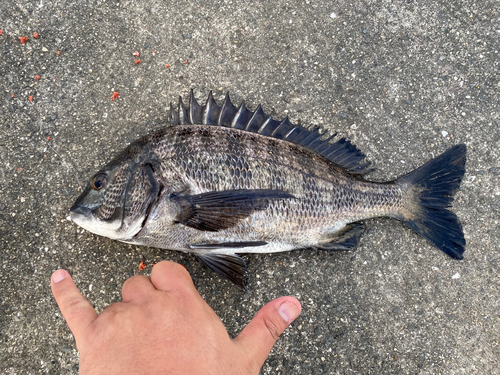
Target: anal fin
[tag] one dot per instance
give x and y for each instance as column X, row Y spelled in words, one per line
column 347, row 240
column 230, row 267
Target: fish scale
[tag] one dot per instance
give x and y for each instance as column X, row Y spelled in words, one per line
column 224, row 180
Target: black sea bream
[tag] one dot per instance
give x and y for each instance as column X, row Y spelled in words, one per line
column 223, row 180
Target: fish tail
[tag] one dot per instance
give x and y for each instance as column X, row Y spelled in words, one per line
column 431, row 188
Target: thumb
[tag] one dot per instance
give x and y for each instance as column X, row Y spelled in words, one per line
column 259, row 336
column 79, row 314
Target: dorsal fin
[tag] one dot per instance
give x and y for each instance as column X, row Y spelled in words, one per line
column 341, row 152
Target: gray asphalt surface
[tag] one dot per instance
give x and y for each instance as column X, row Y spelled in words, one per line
column 403, row 80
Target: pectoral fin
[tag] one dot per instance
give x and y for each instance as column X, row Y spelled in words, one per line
column 229, row 267
column 219, row 210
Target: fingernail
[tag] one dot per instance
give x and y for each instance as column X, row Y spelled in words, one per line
column 288, row 311
column 59, row 275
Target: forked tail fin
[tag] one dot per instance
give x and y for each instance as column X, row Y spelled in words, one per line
column 432, row 187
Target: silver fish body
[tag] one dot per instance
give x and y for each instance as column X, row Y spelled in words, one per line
column 223, row 181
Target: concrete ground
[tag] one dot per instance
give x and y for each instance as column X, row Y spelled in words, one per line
column 403, row 80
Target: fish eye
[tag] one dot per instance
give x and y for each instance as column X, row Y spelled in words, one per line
column 99, row 181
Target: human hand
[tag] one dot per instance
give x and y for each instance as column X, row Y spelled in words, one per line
column 163, row 326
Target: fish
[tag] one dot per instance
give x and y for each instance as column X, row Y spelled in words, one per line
column 222, row 180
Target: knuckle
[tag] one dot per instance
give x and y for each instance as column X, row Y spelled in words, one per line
column 112, row 313
column 132, row 283
column 273, row 326
column 75, row 305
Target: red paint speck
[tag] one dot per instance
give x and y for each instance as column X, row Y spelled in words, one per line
column 1, row 32
column 37, row 77
column 30, row 98
column 185, row 62
column 136, row 54
column 58, row 52
column 35, row 34
column 167, row 66
column 23, row 39
column 115, row 95
column 142, row 266
column 138, row 61
column 48, row 138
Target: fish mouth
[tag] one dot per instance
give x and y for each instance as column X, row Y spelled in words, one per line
column 78, row 213
column 83, row 217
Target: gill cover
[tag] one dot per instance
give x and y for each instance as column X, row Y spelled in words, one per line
column 141, row 193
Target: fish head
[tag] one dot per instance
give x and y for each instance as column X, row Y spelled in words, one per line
column 118, row 198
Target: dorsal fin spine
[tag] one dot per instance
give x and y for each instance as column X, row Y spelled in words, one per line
column 174, row 118
column 195, row 110
column 254, row 115
column 325, row 144
column 284, row 125
column 227, row 112
column 211, row 111
column 242, row 117
column 263, row 126
column 207, row 108
column 183, row 113
column 289, row 133
column 256, row 120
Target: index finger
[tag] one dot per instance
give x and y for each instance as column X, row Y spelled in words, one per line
column 79, row 314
